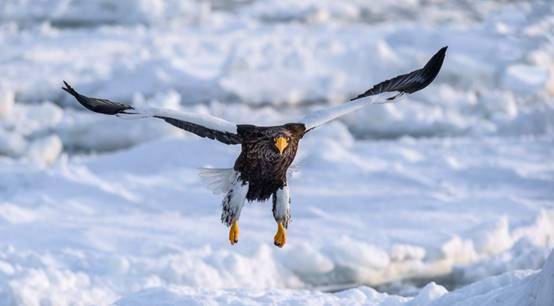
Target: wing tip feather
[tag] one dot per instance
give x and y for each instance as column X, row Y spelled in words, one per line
column 437, row 59
column 432, row 66
column 66, row 87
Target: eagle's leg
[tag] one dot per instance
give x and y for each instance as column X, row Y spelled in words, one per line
column 232, row 205
column 281, row 213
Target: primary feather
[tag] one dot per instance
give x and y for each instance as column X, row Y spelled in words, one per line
column 260, row 171
column 200, row 124
column 401, row 85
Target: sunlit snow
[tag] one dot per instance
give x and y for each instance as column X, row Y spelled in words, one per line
column 445, row 198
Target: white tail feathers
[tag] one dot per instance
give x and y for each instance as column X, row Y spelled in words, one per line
column 219, row 181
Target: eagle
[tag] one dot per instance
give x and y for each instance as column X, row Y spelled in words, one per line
column 260, row 171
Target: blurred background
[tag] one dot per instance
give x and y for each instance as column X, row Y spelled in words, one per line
column 450, row 185
column 260, row 61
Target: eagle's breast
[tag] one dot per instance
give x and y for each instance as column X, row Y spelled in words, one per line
column 260, row 164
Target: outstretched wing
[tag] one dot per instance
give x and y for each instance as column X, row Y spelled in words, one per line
column 400, row 85
column 199, row 124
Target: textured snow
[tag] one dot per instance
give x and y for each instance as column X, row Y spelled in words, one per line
column 497, row 79
column 364, row 212
column 450, row 187
column 514, row 288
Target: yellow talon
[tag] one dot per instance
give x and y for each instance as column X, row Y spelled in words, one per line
column 234, row 233
column 281, row 236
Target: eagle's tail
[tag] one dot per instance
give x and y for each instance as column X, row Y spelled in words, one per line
column 219, row 181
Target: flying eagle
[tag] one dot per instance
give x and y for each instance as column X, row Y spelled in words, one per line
column 260, row 171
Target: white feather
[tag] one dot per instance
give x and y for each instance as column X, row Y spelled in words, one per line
column 219, row 181
column 208, row 121
column 323, row 116
column 281, row 206
column 234, row 199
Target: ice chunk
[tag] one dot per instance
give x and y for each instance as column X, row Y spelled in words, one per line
column 428, row 294
column 525, row 79
column 16, row 215
column 7, row 99
column 401, row 252
column 11, row 144
column 45, row 150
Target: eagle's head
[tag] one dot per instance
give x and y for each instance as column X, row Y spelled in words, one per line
column 288, row 133
column 274, row 142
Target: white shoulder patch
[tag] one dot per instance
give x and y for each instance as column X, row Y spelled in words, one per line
column 217, row 180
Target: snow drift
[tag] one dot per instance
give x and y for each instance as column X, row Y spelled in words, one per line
column 452, row 186
column 524, row 288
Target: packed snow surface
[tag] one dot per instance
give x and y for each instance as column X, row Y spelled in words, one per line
column 451, row 186
column 95, row 228
column 510, row 289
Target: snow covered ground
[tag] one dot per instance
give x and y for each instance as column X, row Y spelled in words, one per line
column 510, row 289
column 453, row 185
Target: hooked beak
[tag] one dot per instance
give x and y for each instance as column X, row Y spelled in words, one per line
column 281, row 143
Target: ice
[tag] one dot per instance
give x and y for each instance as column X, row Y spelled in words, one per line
column 444, row 198
column 14, row 215
column 70, row 13
column 429, row 293
column 525, row 79
column 12, row 144
column 519, row 288
column 45, row 150
column 6, row 102
column 434, row 207
column 516, row 288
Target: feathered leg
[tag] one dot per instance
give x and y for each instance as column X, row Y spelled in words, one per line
column 281, row 213
column 232, row 206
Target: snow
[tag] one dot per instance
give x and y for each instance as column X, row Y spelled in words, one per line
column 493, row 81
column 515, row 288
column 118, row 223
column 525, row 79
column 45, row 150
column 444, row 198
column 6, row 102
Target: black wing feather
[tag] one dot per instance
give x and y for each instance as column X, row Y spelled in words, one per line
column 108, row 107
column 410, row 82
column 224, row 137
column 102, row 106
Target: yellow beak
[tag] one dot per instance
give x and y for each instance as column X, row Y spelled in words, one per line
column 281, row 143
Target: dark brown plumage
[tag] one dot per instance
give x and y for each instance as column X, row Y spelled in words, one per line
column 260, row 163
column 260, row 171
